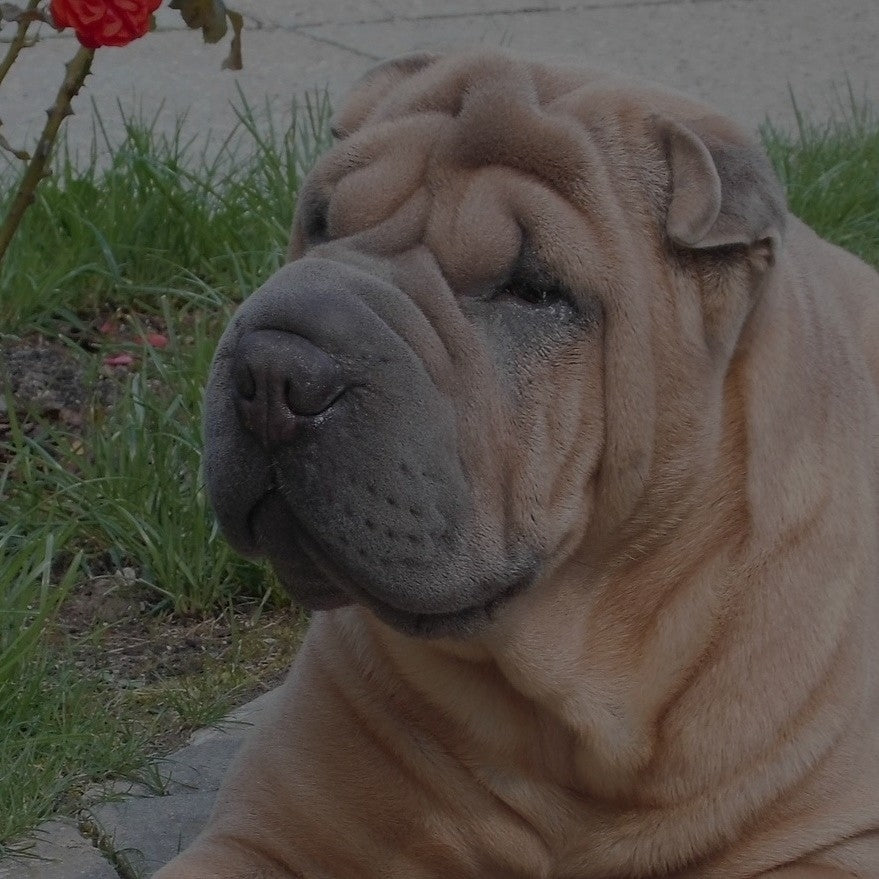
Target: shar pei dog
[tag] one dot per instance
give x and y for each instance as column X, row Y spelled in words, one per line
column 568, row 432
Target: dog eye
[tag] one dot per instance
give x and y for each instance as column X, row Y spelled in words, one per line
column 314, row 211
column 316, row 226
column 535, row 293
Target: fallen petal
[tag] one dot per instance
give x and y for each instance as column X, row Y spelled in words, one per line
column 119, row 360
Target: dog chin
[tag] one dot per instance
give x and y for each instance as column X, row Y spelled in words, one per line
column 319, row 595
column 316, row 580
column 461, row 623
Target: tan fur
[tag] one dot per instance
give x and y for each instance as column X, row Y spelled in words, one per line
column 692, row 689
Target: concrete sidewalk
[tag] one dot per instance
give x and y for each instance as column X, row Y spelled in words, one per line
column 136, row 832
column 745, row 56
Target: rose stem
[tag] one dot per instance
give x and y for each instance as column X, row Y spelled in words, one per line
column 77, row 69
column 18, row 41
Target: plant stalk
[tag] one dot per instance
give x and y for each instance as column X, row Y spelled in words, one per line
column 77, row 70
column 18, row 41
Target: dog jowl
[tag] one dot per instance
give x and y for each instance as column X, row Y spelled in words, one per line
column 567, row 430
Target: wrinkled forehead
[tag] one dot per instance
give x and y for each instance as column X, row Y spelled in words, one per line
column 425, row 83
column 469, row 157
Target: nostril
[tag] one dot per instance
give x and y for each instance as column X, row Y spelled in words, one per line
column 245, row 385
column 280, row 378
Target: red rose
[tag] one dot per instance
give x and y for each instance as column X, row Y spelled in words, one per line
column 104, row 22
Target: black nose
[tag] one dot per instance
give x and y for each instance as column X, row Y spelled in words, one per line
column 279, row 378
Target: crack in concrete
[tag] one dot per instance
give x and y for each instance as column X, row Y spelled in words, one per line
column 90, row 831
column 306, row 28
column 391, row 17
column 318, row 38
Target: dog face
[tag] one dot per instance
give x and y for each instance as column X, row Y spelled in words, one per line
column 498, row 345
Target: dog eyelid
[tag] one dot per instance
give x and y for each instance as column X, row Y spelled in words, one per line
column 531, row 283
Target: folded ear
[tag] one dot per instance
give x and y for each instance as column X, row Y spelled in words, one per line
column 367, row 94
column 723, row 188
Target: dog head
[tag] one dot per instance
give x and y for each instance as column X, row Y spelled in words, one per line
column 499, row 343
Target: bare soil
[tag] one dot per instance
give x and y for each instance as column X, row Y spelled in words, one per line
column 155, row 660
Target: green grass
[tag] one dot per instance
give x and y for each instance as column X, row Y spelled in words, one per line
column 156, row 234
column 132, row 482
column 150, row 234
column 161, row 219
column 56, row 734
column 164, row 235
column 831, row 173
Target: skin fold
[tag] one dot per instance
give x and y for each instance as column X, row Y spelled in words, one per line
column 567, row 431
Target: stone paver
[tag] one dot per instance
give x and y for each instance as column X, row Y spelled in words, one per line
column 146, row 832
column 142, row 832
column 59, row 852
